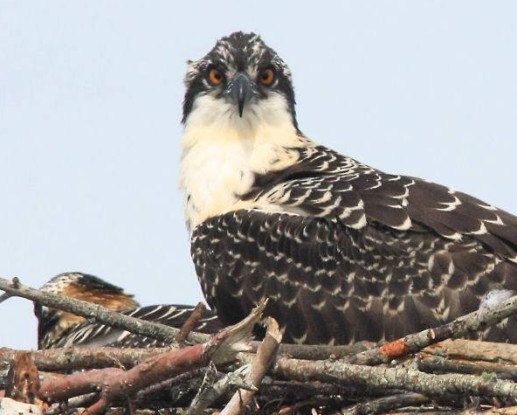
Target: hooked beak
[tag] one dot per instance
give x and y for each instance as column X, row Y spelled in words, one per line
column 240, row 91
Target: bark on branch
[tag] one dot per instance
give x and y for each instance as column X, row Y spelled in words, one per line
column 92, row 311
column 400, row 378
column 475, row 321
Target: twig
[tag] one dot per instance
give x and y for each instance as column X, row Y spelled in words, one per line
column 145, row 395
column 296, row 391
column 208, row 387
column 265, row 354
column 321, row 352
column 475, row 350
column 81, row 401
column 123, row 411
column 403, row 378
column 478, row 320
column 77, row 358
column 438, row 364
column 384, row 404
column 211, row 391
column 101, row 314
column 5, row 296
column 190, row 323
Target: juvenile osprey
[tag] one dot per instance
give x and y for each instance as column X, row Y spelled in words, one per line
column 58, row 328
column 343, row 251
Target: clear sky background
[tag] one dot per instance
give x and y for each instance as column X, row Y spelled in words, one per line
column 90, row 108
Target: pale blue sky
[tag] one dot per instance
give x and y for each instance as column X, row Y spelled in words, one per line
column 90, row 102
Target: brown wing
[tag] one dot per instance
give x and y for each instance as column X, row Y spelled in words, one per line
column 329, row 283
column 371, row 256
column 327, row 184
column 98, row 334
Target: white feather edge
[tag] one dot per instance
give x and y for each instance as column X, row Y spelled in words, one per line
column 222, row 152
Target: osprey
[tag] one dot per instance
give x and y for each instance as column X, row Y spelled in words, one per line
column 343, row 251
column 57, row 328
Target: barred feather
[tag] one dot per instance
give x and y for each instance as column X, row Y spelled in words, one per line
column 60, row 329
column 344, row 252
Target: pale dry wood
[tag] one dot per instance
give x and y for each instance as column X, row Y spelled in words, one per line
column 438, row 364
column 475, row 350
column 398, row 377
column 213, row 389
column 259, row 366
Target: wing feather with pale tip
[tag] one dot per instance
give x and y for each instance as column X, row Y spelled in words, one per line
column 357, row 255
column 97, row 334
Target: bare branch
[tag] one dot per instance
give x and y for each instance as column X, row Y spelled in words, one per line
column 123, row 411
column 402, row 378
column 478, row 320
column 175, row 387
column 321, row 352
column 475, row 351
column 190, row 323
column 384, row 404
column 93, row 311
column 77, row 358
column 439, row 364
column 211, row 391
column 265, row 354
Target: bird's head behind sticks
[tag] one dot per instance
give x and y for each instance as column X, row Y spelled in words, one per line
column 53, row 323
column 240, row 81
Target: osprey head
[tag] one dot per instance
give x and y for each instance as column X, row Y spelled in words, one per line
column 243, row 76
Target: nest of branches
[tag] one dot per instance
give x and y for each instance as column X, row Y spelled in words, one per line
column 434, row 371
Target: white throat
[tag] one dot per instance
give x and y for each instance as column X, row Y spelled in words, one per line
column 221, row 152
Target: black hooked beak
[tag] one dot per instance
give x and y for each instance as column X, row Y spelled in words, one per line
column 241, row 91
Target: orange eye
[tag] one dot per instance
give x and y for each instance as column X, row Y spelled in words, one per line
column 215, row 77
column 267, row 77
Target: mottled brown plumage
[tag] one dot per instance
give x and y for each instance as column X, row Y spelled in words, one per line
column 57, row 328
column 332, row 281
column 343, row 251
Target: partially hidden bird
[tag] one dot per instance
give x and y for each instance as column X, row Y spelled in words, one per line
column 57, row 328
